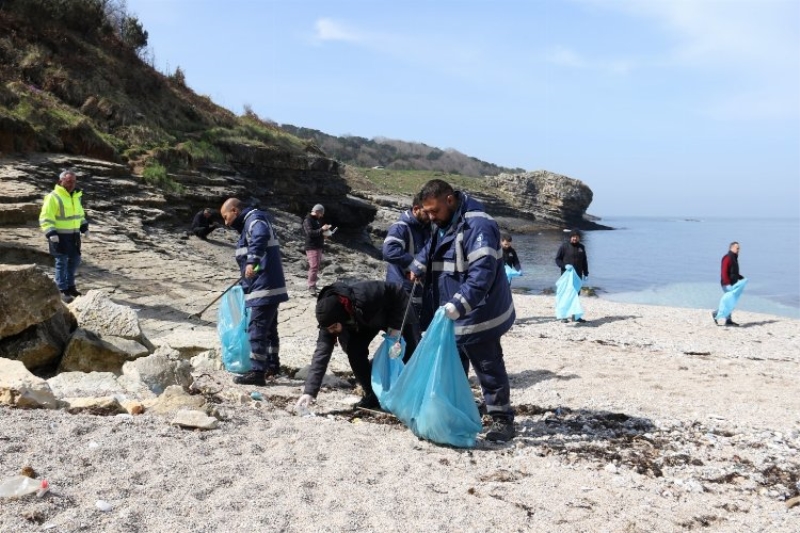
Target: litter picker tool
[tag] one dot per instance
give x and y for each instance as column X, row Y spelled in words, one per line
column 408, row 306
column 215, row 300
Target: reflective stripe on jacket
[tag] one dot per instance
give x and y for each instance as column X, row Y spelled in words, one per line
column 403, row 241
column 465, row 268
column 62, row 212
column 258, row 246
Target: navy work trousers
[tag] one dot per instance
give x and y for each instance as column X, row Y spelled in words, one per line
column 487, row 360
column 264, row 341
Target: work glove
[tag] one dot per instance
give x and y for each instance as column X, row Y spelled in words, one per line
column 53, row 239
column 85, row 234
column 451, row 311
column 586, row 280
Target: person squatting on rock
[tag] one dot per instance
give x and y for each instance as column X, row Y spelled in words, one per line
column 729, row 275
column 259, row 257
column 315, row 243
column 63, row 222
column 573, row 253
column 405, row 239
column 203, row 224
column 352, row 314
column 462, row 267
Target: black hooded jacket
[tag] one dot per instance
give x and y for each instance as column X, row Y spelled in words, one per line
column 376, row 306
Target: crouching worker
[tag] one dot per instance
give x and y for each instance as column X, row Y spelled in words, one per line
column 353, row 314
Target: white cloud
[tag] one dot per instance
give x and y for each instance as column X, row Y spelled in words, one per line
column 331, row 30
column 566, row 57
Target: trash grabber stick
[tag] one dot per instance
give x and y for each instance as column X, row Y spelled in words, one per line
column 408, row 306
column 215, row 300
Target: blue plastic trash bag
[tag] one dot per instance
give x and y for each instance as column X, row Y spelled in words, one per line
column 432, row 395
column 568, row 288
column 232, row 321
column 729, row 300
column 385, row 369
column 511, row 272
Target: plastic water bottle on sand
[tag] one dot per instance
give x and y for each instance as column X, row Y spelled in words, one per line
column 20, row 486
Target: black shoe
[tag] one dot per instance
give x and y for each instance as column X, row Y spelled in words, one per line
column 730, row 322
column 66, row 297
column 72, row 291
column 714, row 316
column 272, row 372
column 502, row 430
column 250, row 378
column 370, row 401
column 582, row 321
column 565, row 320
column 481, row 405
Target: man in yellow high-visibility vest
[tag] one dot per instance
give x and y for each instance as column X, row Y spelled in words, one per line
column 63, row 222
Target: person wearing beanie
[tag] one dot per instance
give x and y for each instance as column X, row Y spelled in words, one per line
column 352, row 314
column 573, row 253
column 315, row 242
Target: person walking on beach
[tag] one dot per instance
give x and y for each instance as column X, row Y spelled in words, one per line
column 573, row 252
column 462, row 266
column 510, row 257
column 403, row 241
column 203, row 224
column 315, row 242
column 63, row 222
column 352, row 314
column 259, row 257
column 731, row 287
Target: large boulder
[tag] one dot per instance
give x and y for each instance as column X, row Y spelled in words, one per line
column 155, row 373
column 27, row 297
column 96, row 312
column 84, row 384
column 87, row 352
column 20, row 388
column 41, row 345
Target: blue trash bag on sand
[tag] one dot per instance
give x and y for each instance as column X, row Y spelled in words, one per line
column 232, row 321
column 386, row 369
column 432, row 396
column 729, row 300
column 511, row 273
column 568, row 288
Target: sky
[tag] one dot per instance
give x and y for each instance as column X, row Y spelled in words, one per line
column 662, row 107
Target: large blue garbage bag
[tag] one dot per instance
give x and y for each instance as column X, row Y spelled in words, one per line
column 511, row 272
column 385, row 369
column 232, row 320
column 729, row 300
column 432, row 396
column 568, row 288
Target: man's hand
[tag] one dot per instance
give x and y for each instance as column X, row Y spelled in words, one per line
column 326, row 227
column 305, row 401
column 53, row 239
column 396, row 350
column 249, row 272
column 85, row 234
column 451, row 311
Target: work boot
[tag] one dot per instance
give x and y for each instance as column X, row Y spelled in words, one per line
column 730, row 322
column 73, row 291
column 501, row 430
column 312, row 291
column 66, row 297
column 370, row 401
column 254, row 377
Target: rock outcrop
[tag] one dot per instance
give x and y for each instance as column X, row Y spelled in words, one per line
column 550, row 198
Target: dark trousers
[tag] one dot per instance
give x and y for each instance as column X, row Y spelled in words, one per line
column 264, row 341
column 487, row 360
column 203, row 232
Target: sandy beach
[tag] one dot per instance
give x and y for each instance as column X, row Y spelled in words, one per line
column 644, row 419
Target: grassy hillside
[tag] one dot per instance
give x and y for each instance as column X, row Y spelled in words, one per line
column 396, row 155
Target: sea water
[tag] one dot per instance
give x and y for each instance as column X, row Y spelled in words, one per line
column 676, row 261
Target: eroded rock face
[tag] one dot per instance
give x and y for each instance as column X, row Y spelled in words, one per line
column 551, row 198
column 41, row 345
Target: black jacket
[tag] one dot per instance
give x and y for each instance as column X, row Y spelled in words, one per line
column 575, row 255
column 511, row 259
column 377, row 306
column 312, row 226
column 730, row 269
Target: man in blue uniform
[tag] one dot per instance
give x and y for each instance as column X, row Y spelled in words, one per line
column 462, row 266
column 259, row 257
column 403, row 241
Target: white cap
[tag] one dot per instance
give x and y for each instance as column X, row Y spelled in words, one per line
column 318, row 209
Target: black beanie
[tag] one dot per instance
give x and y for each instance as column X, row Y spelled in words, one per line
column 330, row 311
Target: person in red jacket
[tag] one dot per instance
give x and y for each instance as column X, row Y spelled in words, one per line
column 729, row 275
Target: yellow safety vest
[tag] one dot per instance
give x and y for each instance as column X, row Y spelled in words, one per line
column 62, row 212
